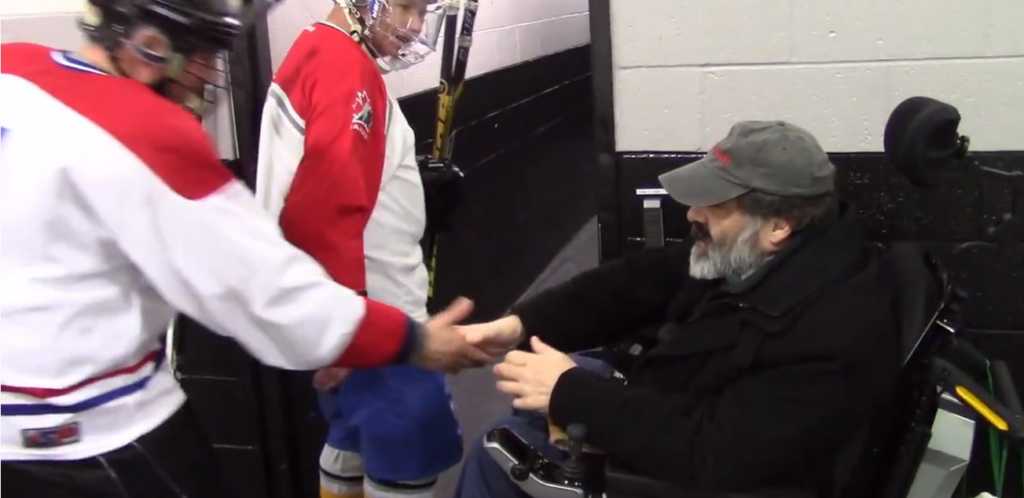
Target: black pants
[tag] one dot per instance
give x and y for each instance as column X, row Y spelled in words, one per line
column 172, row 461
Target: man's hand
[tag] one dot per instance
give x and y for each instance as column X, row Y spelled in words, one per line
column 443, row 348
column 494, row 338
column 530, row 377
column 328, row 378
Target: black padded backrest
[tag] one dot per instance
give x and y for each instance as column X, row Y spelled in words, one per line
column 919, row 293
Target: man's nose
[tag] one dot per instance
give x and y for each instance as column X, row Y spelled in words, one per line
column 694, row 214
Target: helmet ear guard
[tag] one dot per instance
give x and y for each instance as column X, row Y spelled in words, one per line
column 152, row 46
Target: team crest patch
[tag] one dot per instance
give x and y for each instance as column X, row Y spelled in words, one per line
column 362, row 114
column 50, row 437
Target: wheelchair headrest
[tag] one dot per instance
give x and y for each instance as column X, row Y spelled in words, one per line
column 920, row 136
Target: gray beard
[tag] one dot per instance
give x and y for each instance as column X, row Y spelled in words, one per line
column 733, row 261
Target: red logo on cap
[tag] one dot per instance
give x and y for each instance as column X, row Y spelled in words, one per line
column 721, row 155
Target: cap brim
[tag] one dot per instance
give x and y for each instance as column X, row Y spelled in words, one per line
column 698, row 184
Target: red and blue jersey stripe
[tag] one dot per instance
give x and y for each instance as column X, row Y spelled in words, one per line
column 154, row 358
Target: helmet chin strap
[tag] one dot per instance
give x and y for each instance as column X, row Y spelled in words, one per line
column 360, row 32
column 357, row 27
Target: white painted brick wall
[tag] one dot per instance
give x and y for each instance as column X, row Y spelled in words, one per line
column 685, row 70
column 12, row 8
column 58, row 30
column 507, row 32
column 660, row 106
column 49, row 22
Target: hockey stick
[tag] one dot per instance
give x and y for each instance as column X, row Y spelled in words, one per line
column 453, row 76
column 447, row 61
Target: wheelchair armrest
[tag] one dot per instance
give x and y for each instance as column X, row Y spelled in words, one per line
column 621, row 483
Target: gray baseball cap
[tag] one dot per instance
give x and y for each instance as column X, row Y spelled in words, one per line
column 773, row 157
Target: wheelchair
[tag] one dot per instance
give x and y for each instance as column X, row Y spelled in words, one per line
column 920, row 448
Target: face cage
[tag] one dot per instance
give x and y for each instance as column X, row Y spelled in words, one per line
column 213, row 75
column 415, row 45
column 216, row 83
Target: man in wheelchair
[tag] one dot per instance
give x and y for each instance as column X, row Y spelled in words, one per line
column 759, row 350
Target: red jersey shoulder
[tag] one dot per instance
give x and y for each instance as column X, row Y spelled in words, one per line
column 178, row 150
column 166, row 137
column 324, row 49
column 21, row 58
column 326, row 72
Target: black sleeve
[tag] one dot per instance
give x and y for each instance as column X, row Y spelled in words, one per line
column 759, row 426
column 603, row 305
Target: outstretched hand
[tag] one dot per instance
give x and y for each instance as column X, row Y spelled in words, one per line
column 496, row 337
column 443, row 347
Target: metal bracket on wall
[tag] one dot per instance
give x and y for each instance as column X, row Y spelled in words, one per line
column 654, row 227
column 653, row 219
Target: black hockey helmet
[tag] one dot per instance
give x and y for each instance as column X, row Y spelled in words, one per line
column 190, row 25
column 183, row 29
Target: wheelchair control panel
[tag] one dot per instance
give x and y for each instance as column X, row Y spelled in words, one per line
column 581, row 475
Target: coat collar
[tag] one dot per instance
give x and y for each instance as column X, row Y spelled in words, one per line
column 822, row 257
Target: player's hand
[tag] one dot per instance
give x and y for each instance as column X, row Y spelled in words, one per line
column 494, row 338
column 443, row 348
column 328, row 378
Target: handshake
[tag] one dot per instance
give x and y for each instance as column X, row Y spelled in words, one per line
column 445, row 346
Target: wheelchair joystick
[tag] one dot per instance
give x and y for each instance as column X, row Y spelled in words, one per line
column 519, row 472
column 574, row 468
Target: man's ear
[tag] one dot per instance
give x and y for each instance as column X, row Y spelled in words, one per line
column 776, row 232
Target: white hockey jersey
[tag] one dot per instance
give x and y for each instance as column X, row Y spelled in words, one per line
column 115, row 212
column 337, row 168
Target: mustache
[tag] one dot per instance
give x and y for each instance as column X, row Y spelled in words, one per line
column 699, row 232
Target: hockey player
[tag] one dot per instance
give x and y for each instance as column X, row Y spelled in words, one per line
column 115, row 212
column 337, row 168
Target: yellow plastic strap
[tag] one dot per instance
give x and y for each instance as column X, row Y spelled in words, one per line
column 982, row 408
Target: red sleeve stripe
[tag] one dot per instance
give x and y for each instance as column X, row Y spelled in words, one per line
column 379, row 338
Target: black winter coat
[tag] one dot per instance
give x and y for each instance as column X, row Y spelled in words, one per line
column 743, row 391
